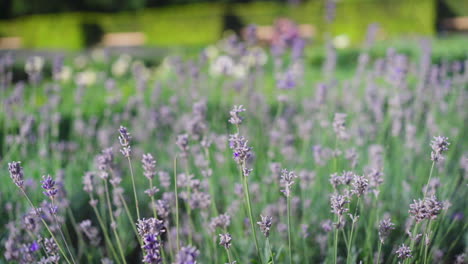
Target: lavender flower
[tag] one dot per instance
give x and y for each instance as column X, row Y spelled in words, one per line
column 225, row 240
column 347, row 177
column 335, row 180
column 152, row 247
column 360, row 185
column 91, row 232
column 385, row 226
column 439, row 145
column 265, row 225
column 150, row 226
column 287, row 180
column 105, row 159
column 403, row 252
column 164, row 179
column 183, row 143
column 428, row 208
column 326, row 225
column 222, row 221
column 162, row 207
column 187, row 255
column 51, row 248
column 152, row 191
column 339, row 126
column 235, row 118
column 338, row 203
column 149, row 166
column 48, row 184
column 16, row 173
column 125, row 139
column 88, row 185
column 240, row 148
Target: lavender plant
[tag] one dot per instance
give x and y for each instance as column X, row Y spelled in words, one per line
column 358, row 139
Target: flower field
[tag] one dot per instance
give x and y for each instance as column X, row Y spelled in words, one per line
column 241, row 153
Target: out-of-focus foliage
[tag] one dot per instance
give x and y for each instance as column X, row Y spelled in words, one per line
column 202, row 23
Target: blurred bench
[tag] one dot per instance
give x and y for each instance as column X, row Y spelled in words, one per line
column 456, row 24
column 123, row 39
column 10, row 42
column 265, row 34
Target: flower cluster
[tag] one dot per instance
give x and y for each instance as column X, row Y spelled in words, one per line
column 222, row 221
column 225, row 240
column 149, row 166
column 124, row 139
column 385, row 226
column 240, row 148
column 287, row 180
column 187, row 255
column 16, row 173
column 235, row 118
column 428, row 208
column 149, row 230
column 338, row 205
column 403, row 252
column 91, row 232
column 439, row 145
column 360, row 185
column 183, row 143
column 48, row 184
column 339, row 126
column 150, row 226
column 265, row 224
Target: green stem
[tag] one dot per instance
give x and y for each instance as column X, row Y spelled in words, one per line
column 413, row 235
column 428, row 229
column 378, row 254
column 271, row 251
column 152, row 200
column 47, row 227
column 429, row 179
column 350, row 242
column 176, row 204
column 249, row 209
column 78, row 233
column 288, row 199
column 335, row 246
column 61, row 234
column 127, row 212
column 104, row 231
column 229, row 256
column 134, row 188
column 113, row 222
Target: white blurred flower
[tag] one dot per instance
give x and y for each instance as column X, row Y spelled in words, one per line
column 98, row 55
column 86, row 78
column 222, row 65
column 34, row 64
column 255, row 57
column 211, row 52
column 239, row 71
column 65, row 74
column 121, row 65
column 80, row 61
column 261, row 57
column 341, row 41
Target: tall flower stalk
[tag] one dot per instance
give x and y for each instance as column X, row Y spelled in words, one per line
column 126, row 150
column 176, row 204
column 50, row 190
column 17, row 175
column 241, row 153
column 287, row 180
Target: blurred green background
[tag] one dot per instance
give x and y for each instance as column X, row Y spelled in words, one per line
column 54, row 24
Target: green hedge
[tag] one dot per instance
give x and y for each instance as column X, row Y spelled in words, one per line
column 199, row 24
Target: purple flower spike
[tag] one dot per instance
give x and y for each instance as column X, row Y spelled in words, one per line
column 48, row 184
